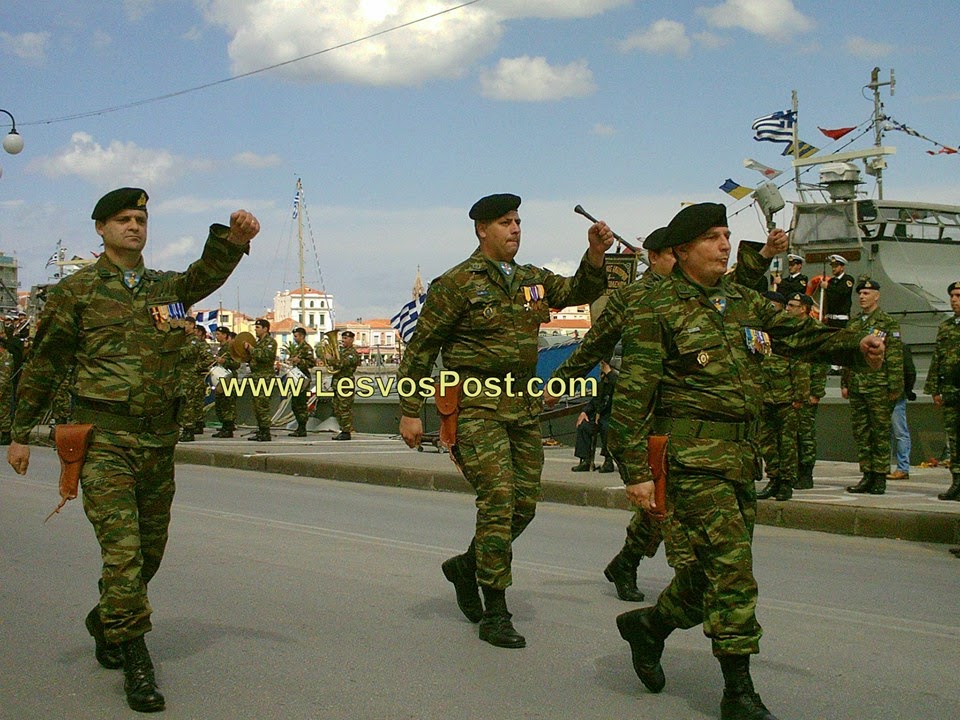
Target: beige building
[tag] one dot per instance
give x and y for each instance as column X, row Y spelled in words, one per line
column 305, row 306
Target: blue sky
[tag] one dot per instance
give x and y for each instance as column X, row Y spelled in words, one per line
column 627, row 107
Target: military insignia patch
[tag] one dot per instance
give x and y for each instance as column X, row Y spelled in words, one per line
column 719, row 303
column 757, row 341
column 703, row 358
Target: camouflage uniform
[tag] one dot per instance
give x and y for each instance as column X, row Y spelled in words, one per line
column 6, row 391
column 226, row 405
column 343, row 404
column 195, row 362
column 943, row 379
column 486, row 324
column 807, row 421
column 786, row 383
column 125, row 350
column 692, row 370
column 262, row 359
column 872, row 394
column 304, row 360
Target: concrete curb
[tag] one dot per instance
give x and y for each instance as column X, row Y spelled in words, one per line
column 838, row 519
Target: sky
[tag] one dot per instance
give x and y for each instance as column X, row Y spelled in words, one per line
column 627, row 107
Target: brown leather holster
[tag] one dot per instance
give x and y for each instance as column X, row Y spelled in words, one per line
column 72, row 443
column 657, row 459
column 448, row 407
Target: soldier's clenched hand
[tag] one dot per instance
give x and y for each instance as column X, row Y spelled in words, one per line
column 600, row 237
column 243, row 227
column 873, row 348
column 411, row 430
column 18, row 455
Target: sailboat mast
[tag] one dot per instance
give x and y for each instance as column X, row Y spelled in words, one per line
column 303, row 311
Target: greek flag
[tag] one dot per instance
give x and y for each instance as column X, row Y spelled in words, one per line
column 296, row 203
column 777, row 127
column 405, row 321
column 208, row 320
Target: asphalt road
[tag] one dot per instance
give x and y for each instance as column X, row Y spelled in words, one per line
column 289, row 598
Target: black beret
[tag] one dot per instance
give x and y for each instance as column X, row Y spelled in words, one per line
column 867, row 284
column 262, row 322
column 802, row 297
column 120, row 199
column 493, row 206
column 772, row 295
column 955, row 285
column 693, row 221
column 223, row 328
column 347, row 333
column 299, row 330
column 657, row 240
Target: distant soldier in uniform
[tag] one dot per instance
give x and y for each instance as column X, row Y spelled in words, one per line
column 484, row 317
column 643, row 532
column 343, row 401
column 838, row 295
column 592, row 422
column 692, row 353
column 263, row 355
column 6, row 394
column 113, row 321
column 786, row 385
column 195, row 361
column 873, row 394
column 815, row 374
column 305, row 361
column 794, row 281
column 223, row 404
column 943, row 383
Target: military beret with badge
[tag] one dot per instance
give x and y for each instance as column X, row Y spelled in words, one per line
column 693, row 221
column 867, row 284
column 117, row 200
column 493, row 206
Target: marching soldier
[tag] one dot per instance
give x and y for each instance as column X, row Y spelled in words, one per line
column 195, row 361
column 343, row 401
column 815, row 373
column 223, row 404
column 112, row 320
column 943, row 383
column 304, row 360
column 484, row 316
column 263, row 356
column 6, row 395
column 873, row 394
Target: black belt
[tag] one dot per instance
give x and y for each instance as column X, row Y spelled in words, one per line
column 706, row 429
column 116, row 417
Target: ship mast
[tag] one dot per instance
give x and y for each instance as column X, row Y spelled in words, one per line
column 303, row 311
column 878, row 118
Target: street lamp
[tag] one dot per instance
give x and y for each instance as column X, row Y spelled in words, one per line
column 12, row 143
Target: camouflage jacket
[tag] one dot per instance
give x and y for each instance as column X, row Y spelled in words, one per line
column 785, row 380
column 195, row 358
column 688, row 362
column 6, row 378
column 263, row 356
column 818, row 379
column 349, row 362
column 487, row 325
column 889, row 378
column 122, row 342
column 226, row 359
column 943, row 377
column 303, row 358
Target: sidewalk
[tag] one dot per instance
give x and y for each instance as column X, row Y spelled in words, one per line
column 909, row 510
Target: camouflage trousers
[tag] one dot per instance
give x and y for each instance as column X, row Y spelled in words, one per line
column 195, row 392
column 708, row 535
column 261, row 404
column 225, row 407
column 951, row 419
column 870, row 416
column 298, row 403
column 127, row 494
column 643, row 538
column 778, row 440
column 343, row 410
column 502, row 461
column 807, row 435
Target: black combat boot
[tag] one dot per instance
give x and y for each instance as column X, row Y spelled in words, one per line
column 740, row 701
column 301, row 430
column 954, row 492
column 461, row 570
column 769, row 490
column 495, row 626
column 864, row 485
column 261, row 435
column 607, row 466
column 645, row 635
column 784, row 491
column 623, row 574
column 584, row 466
column 186, row 435
column 879, row 486
column 139, row 682
column 199, row 428
column 804, row 478
column 226, row 431
column 107, row 653
column 342, row 436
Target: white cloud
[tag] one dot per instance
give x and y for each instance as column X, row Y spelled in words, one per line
column 661, row 38
column 136, row 9
column 252, row 160
column 769, row 18
column 120, row 163
column 26, row 46
column 193, row 34
column 165, row 254
column 535, row 80
column 561, row 266
column 867, row 49
column 101, row 38
column 266, row 32
column 710, row 41
column 604, row 130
